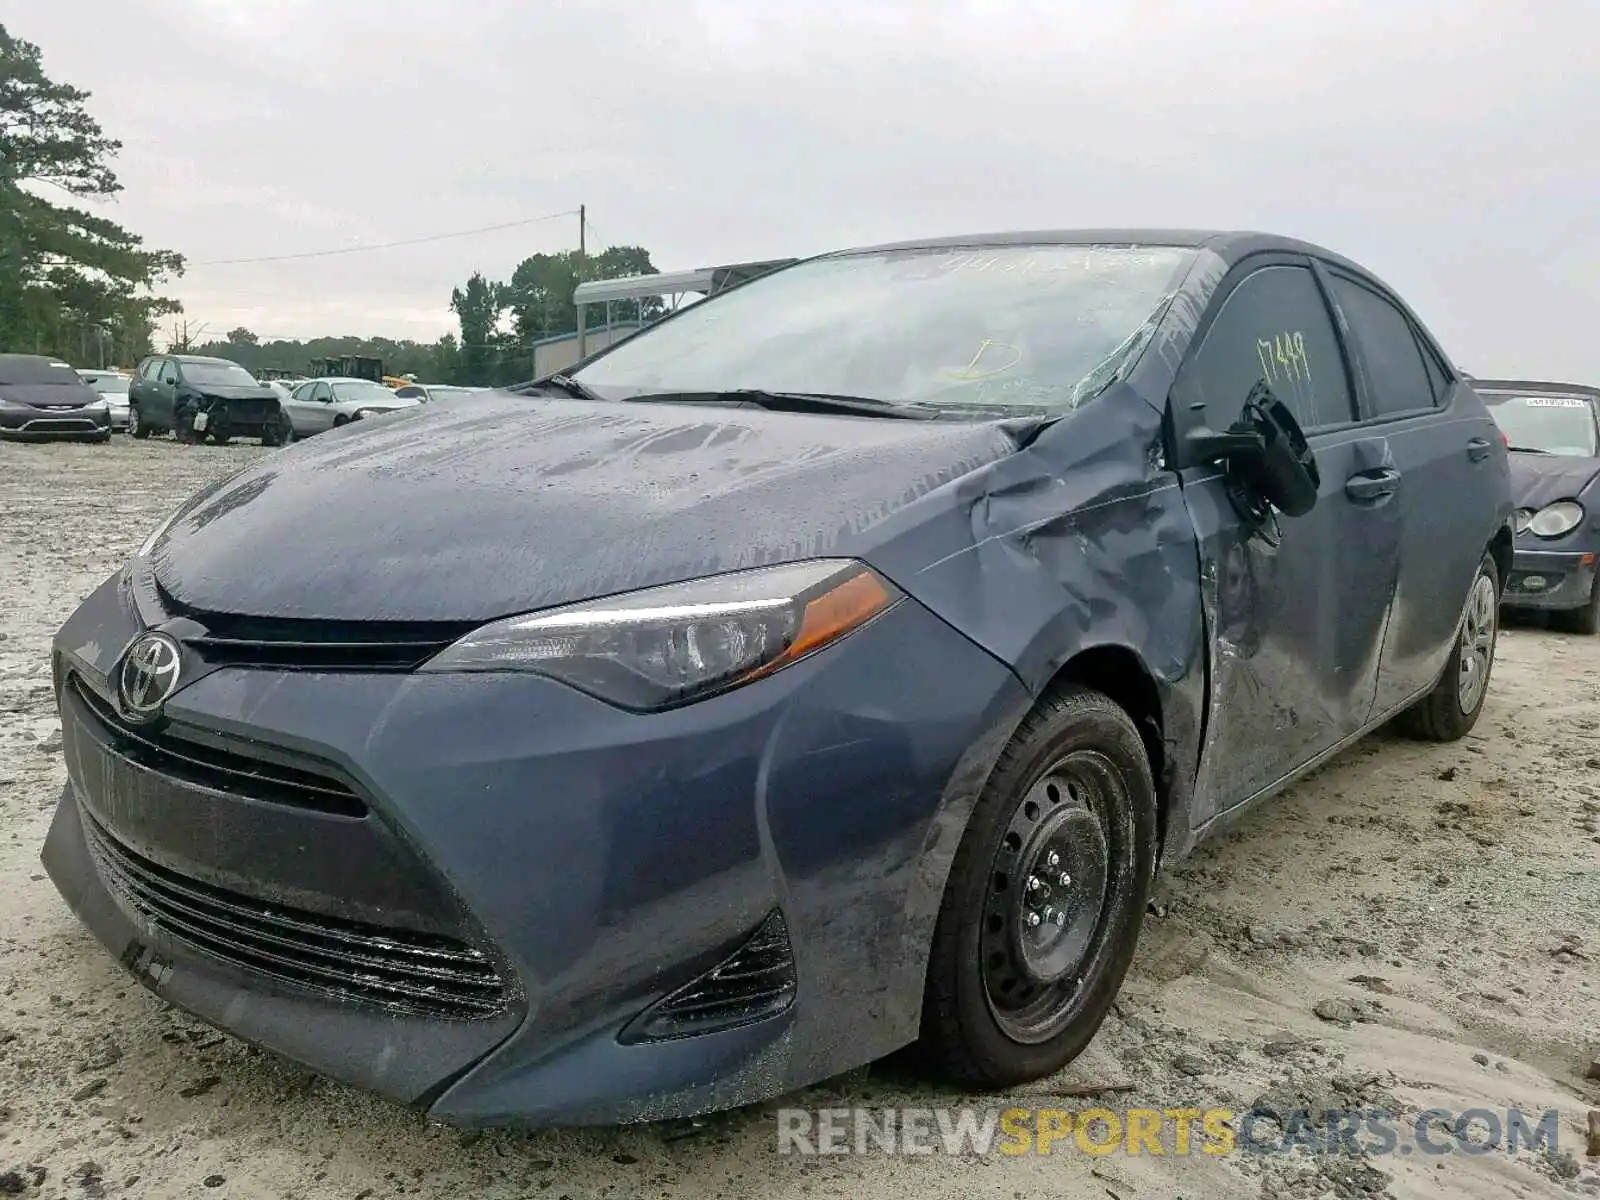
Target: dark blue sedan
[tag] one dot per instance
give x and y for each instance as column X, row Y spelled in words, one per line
column 1553, row 430
column 828, row 667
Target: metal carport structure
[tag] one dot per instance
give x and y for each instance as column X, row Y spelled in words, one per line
column 706, row 281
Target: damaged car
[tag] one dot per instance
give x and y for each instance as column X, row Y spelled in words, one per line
column 194, row 397
column 1553, row 430
column 829, row 667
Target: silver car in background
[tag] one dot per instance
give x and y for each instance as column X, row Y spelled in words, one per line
column 321, row 404
column 112, row 386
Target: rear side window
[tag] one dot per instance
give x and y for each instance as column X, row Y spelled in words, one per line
column 1398, row 378
column 1275, row 327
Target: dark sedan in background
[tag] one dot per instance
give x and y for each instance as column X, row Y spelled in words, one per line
column 194, row 398
column 41, row 398
column 1553, row 430
column 827, row 667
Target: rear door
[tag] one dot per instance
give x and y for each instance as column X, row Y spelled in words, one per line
column 1447, row 451
column 1296, row 618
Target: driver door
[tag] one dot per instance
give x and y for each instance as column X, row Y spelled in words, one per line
column 1296, row 612
column 166, row 395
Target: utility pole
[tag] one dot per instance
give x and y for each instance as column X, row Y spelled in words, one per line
column 583, row 229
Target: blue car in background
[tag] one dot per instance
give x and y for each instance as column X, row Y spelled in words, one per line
column 828, row 667
column 1553, row 430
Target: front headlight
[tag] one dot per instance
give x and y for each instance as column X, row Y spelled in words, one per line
column 1553, row 520
column 666, row 646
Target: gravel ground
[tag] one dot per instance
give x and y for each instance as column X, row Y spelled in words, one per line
column 1414, row 926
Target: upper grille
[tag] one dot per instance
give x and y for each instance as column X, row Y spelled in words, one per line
column 298, row 643
column 221, row 769
column 755, row 981
column 401, row 970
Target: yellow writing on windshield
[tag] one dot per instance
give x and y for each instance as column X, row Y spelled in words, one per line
column 992, row 358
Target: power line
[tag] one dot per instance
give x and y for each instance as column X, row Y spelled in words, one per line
column 437, row 237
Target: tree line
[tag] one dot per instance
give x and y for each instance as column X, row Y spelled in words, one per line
column 82, row 288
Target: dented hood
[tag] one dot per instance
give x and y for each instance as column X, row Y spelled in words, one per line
column 505, row 504
column 1540, row 479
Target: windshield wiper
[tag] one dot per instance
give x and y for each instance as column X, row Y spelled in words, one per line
column 569, row 385
column 819, row 402
column 1528, row 449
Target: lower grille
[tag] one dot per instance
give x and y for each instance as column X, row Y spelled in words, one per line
column 221, row 769
column 756, row 981
column 60, row 425
column 399, row 970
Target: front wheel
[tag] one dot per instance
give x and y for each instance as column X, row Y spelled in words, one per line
column 183, row 429
column 1449, row 712
column 1046, row 896
column 279, row 431
column 1585, row 620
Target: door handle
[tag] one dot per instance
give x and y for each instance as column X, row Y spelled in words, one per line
column 1372, row 485
column 1478, row 449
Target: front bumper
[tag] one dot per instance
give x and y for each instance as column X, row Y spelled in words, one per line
column 601, row 859
column 119, row 417
column 39, row 424
column 1549, row 580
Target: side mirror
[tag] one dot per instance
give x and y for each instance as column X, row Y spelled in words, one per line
column 1266, row 453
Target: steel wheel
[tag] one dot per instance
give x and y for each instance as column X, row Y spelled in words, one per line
column 1478, row 630
column 1050, row 880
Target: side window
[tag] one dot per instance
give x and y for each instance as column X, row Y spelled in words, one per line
column 1274, row 326
column 146, row 369
column 1436, row 373
column 1397, row 375
column 169, row 372
column 323, row 393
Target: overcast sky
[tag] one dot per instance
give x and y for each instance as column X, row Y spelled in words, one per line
column 1453, row 147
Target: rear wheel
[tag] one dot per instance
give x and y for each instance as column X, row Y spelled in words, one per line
column 136, row 426
column 1046, row 896
column 1585, row 620
column 1449, row 712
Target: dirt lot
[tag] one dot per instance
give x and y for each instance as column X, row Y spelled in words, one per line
column 1414, row 927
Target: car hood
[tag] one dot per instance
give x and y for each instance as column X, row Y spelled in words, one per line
column 389, row 405
column 482, row 509
column 234, row 391
column 48, row 395
column 1540, row 479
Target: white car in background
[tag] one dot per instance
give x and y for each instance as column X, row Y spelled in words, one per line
column 113, row 387
column 322, row 404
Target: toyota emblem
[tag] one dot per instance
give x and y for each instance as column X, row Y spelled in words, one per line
column 148, row 677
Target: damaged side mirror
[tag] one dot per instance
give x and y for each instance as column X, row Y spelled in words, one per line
column 1265, row 452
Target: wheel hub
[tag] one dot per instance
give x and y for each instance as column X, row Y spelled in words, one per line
column 1047, row 897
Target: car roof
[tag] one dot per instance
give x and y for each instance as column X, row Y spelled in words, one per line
column 1231, row 245
column 1536, row 385
column 198, row 358
column 343, row 379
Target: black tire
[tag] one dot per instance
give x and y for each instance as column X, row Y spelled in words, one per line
column 183, row 429
column 279, row 431
column 1076, row 777
column 1449, row 711
column 341, row 420
column 1584, row 621
column 136, row 426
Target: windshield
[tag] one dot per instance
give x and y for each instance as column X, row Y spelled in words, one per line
column 218, row 374
column 1030, row 327
column 369, row 392
column 449, row 393
column 1545, row 421
column 109, row 385
column 24, row 370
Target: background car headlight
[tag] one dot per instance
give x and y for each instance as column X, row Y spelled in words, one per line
column 670, row 645
column 1553, row 520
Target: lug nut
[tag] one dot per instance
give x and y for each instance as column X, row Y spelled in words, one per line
column 1033, row 920
column 1052, row 859
column 1050, row 914
column 1034, row 883
column 1061, row 918
column 1065, row 880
